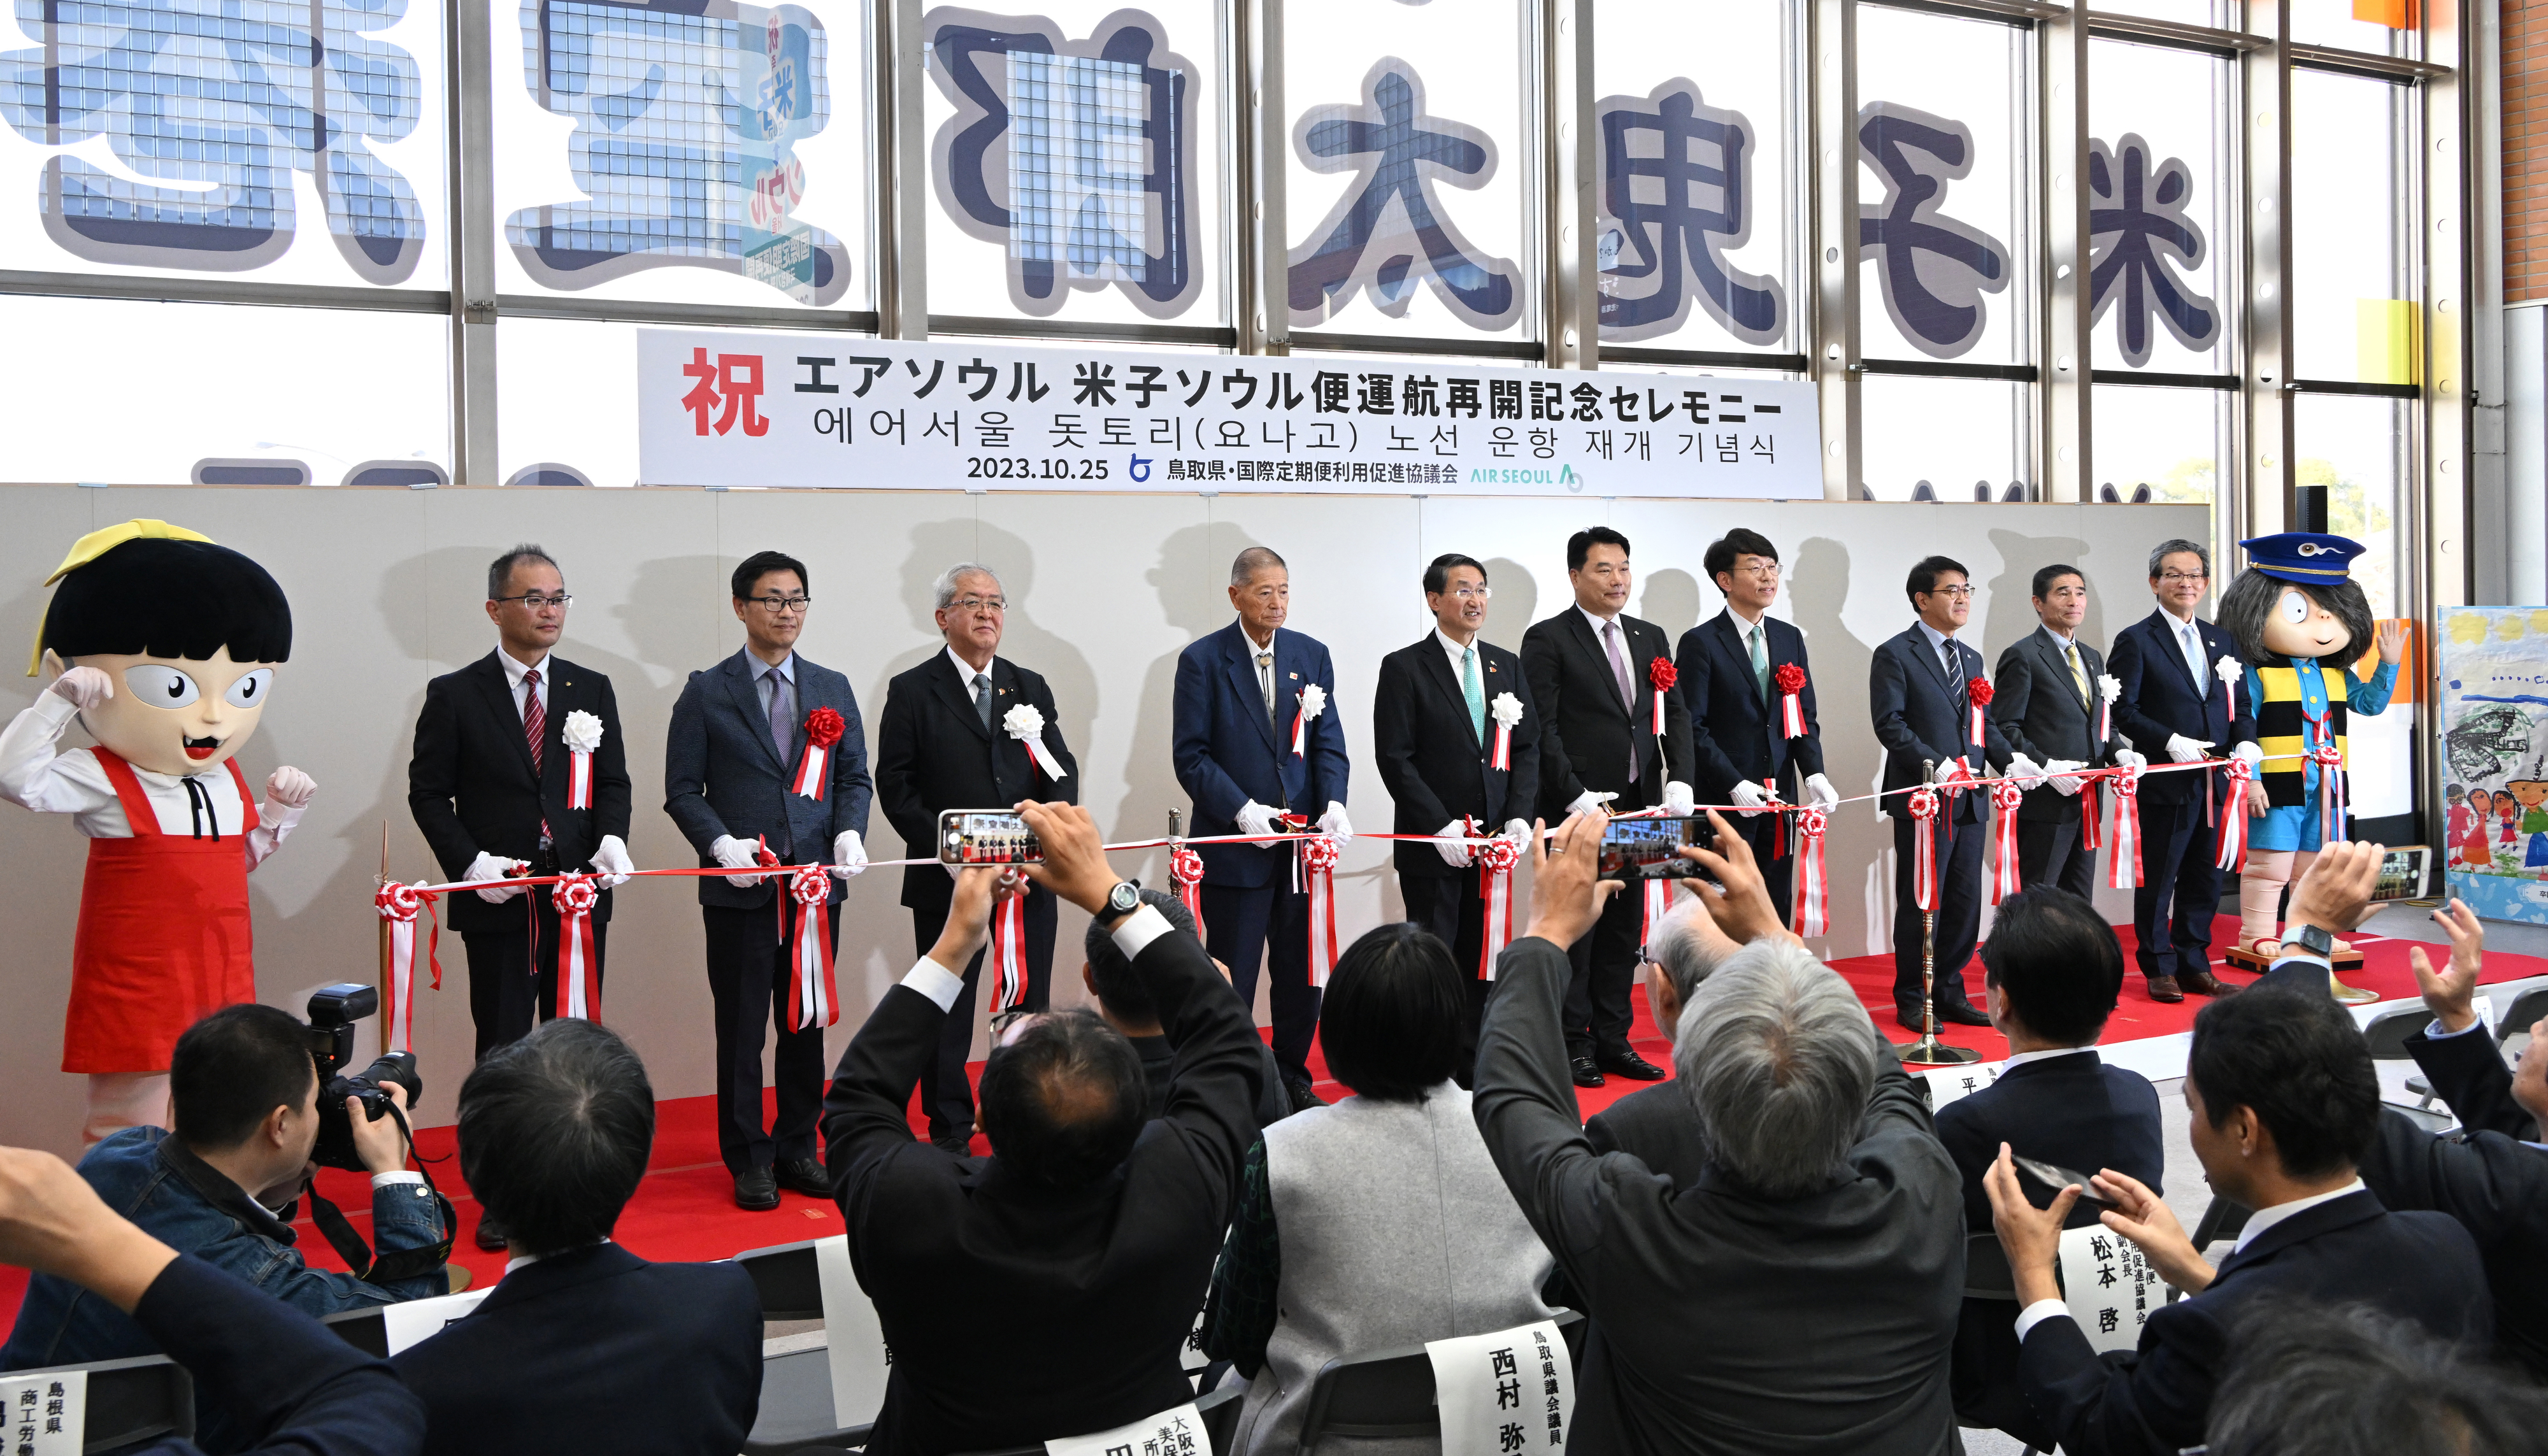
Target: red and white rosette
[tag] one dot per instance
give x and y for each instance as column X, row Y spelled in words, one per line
column 1977, row 694
column 1505, row 713
column 400, row 904
column 579, row 959
column 1185, row 871
column 1658, row 898
column 1790, row 682
column 1024, row 723
column 1813, row 877
column 1495, row 860
column 823, row 729
column 2005, row 797
column 2124, row 872
column 1314, row 701
column 1314, row 868
column 2109, row 688
column 581, row 734
column 1009, row 954
column 1923, row 809
column 2233, row 817
column 1663, row 675
column 2231, row 673
column 812, row 998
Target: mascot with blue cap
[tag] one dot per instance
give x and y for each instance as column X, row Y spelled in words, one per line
column 2300, row 618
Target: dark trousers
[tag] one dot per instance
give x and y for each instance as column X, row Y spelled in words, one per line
column 1766, row 835
column 506, row 995
column 1451, row 908
column 2176, row 872
column 945, row 1091
column 1960, row 907
column 2048, row 853
column 748, row 977
column 1597, row 1011
column 1269, row 924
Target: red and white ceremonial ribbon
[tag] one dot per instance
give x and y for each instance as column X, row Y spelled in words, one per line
column 2092, row 813
column 1813, row 880
column 2105, row 718
column 579, row 780
column 823, row 728
column 1923, row 809
column 812, row 998
column 1300, row 735
column 1657, row 904
column 2005, row 797
column 1791, row 702
column 1779, row 838
column 2234, row 818
column 2329, row 758
column 1314, row 701
column 1978, row 694
column 400, row 904
column 1495, row 860
column 1009, row 954
column 1663, row 675
column 1185, row 871
column 1314, row 866
column 1024, row 723
column 1500, row 756
column 2126, row 871
column 579, row 959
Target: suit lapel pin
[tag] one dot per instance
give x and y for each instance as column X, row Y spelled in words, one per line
column 1296, row 676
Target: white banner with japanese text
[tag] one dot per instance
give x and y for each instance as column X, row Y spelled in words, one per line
column 718, row 408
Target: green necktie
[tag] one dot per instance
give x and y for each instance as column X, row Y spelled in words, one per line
column 1760, row 663
column 1469, row 689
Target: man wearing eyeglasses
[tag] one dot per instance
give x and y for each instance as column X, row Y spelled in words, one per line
column 490, row 785
column 952, row 736
column 747, row 774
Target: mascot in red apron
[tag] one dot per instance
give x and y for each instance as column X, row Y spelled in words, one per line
column 163, row 646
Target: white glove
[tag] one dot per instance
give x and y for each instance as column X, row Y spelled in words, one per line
column 1819, row 790
column 1451, row 843
column 1678, row 798
column 849, row 855
column 2184, row 749
column 2062, row 783
column 736, row 853
column 1589, row 800
column 1750, row 796
column 1952, row 771
column 1334, row 823
column 2023, row 771
column 290, row 787
column 2127, row 758
column 83, row 687
column 1519, row 831
column 1254, row 818
column 610, row 858
column 2254, row 756
column 487, row 867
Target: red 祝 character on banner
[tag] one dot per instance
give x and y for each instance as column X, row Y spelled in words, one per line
column 1790, row 681
column 1663, row 675
column 823, row 728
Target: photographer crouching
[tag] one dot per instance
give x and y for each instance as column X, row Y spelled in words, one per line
column 246, row 1087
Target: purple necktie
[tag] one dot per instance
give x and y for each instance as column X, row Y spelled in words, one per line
column 782, row 721
column 1627, row 690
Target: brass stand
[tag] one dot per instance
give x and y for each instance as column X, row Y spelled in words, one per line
column 1929, row 1050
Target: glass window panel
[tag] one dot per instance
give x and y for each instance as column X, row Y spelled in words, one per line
column 2158, row 188
column 1699, row 189
column 2354, row 315
column 1076, row 163
column 1409, row 198
column 2183, row 12
column 708, row 154
column 1943, row 195
column 2175, row 441
column 2356, row 447
column 2381, row 27
column 1950, row 434
column 176, row 137
column 335, row 390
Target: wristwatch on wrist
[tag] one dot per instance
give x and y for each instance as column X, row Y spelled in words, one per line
column 1121, row 901
column 2314, row 940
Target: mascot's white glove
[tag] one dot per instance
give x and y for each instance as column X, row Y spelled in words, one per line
column 1451, row 843
column 1589, row 800
column 736, row 853
column 1751, row 796
column 849, row 855
column 1678, row 797
column 487, row 867
column 610, row 858
column 1334, row 823
column 1819, row 790
column 1519, row 831
column 1253, row 818
column 2062, row 783
column 83, row 687
column 2184, row 749
column 2254, row 756
column 290, row 787
column 2023, row 771
column 2127, row 758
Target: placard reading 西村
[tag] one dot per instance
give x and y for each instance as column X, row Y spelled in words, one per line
column 717, row 409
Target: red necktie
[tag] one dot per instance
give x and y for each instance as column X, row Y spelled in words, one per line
column 535, row 722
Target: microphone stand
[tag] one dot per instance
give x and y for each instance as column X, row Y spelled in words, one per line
column 1929, row 1050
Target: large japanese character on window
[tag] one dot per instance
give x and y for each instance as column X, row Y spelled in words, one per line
column 686, row 119
column 1074, row 156
column 1390, row 228
column 1675, row 197
column 224, row 100
column 1935, row 268
column 2137, row 223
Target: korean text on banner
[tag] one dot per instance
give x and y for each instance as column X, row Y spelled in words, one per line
column 1513, row 1390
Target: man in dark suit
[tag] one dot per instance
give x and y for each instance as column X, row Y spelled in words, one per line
column 745, row 776
column 1920, row 694
column 2050, row 705
column 1608, row 732
column 2283, row 1102
column 1738, row 731
column 581, row 1346
column 2051, row 970
column 2173, row 708
column 1258, row 740
column 1437, row 716
column 1653, row 1124
column 1072, row 1260
column 946, row 739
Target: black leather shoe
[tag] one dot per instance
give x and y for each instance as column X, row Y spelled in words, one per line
column 1630, row 1065
column 1586, row 1074
column 1962, row 1013
column 490, row 1234
column 1302, row 1097
column 756, row 1191
column 805, row 1175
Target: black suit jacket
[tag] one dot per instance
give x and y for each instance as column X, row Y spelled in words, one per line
column 1918, row 720
column 2159, row 699
column 1078, row 1298
column 1434, row 764
column 1734, row 734
column 2039, row 711
column 2154, row 1400
column 594, row 1350
column 470, row 784
column 1584, row 733
column 1657, row 1127
column 2486, row 1175
column 933, row 754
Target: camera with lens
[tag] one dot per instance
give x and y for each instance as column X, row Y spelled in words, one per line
column 334, row 1009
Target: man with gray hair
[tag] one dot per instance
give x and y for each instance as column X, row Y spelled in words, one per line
column 969, row 729
column 1800, row 1294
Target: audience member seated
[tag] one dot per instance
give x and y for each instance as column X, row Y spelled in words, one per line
column 581, row 1346
column 2305, row 1378
column 1377, row 1220
column 244, row 1090
column 291, row 1385
column 1654, row 1122
column 1046, row 1290
column 2050, row 973
column 1801, row 1295
column 1126, row 1006
column 2284, row 1105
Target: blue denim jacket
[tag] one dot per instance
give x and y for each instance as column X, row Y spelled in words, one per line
column 176, row 1197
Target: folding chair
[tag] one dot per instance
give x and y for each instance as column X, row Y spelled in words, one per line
column 129, row 1400
column 366, row 1329
column 1388, row 1395
column 786, row 1277
column 797, row 1402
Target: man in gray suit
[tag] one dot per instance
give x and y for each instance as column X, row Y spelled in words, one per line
column 766, row 756
column 2047, row 708
column 1801, row 1296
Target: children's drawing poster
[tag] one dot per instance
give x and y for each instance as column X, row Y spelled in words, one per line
column 2494, row 745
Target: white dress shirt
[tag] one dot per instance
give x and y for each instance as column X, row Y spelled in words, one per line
column 33, row 775
column 515, row 673
column 2189, row 645
column 1458, row 655
column 1946, row 655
